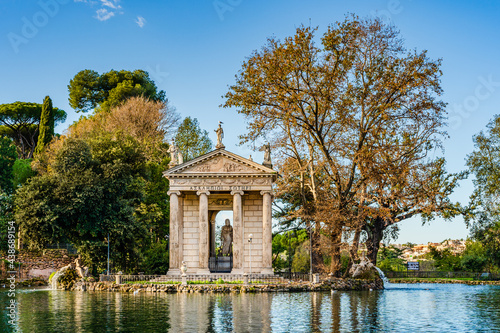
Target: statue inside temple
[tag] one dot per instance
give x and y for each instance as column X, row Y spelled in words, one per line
column 227, row 239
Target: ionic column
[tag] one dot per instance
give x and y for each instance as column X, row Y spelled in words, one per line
column 238, row 235
column 204, row 250
column 175, row 221
column 267, row 233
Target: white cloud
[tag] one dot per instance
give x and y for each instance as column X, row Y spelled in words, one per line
column 111, row 4
column 108, row 8
column 141, row 21
column 103, row 14
column 90, row 2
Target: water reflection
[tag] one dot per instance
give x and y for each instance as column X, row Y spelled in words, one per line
column 430, row 308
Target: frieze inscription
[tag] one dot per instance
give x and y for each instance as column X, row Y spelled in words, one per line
column 220, row 188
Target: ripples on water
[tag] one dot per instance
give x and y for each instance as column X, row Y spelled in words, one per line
column 401, row 308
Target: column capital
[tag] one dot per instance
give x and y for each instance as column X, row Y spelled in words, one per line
column 237, row 192
column 178, row 193
column 266, row 192
column 198, row 193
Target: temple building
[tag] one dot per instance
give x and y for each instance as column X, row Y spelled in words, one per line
column 199, row 190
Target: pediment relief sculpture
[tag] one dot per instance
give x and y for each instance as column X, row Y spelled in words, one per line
column 220, row 165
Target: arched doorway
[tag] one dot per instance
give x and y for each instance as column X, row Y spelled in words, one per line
column 221, row 259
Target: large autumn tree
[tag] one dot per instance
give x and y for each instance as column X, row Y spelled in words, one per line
column 339, row 114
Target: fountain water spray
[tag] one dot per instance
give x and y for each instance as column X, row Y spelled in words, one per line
column 382, row 276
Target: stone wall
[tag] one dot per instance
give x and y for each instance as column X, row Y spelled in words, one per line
column 191, row 236
column 42, row 264
column 252, row 224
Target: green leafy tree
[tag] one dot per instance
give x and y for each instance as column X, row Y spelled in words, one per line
column 301, row 260
column 46, row 127
column 92, row 193
column 20, row 121
column 22, row 172
column 489, row 237
column 155, row 259
column 192, row 140
column 149, row 123
column 445, row 260
column 6, row 216
column 475, row 257
column 285, row 246
column 483, row 215
column 88, row 90
column 7, row 159
column 389, row 259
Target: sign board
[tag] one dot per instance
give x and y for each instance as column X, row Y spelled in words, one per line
column 413, row 266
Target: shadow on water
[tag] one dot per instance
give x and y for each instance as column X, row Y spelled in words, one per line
column 415, row 308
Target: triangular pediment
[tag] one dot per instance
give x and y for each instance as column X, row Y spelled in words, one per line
column 219, row 162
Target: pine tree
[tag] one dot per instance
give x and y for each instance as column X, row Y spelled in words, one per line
column 192, row 140
column 46, row 127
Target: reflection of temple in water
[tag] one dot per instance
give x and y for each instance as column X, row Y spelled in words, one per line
column 220, row 313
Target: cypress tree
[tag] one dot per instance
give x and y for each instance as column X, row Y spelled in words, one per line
column 46, row 127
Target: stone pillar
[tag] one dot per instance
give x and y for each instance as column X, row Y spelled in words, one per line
column 238, row 235
column 267, row 233
column 175, row 222
column 204, row 250
column 212, row 235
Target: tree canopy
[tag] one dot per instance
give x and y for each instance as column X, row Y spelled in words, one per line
column 20, row 121
column 343, row 118
column 192, row 140
column 115, row 158
column 91, row 192
column 88, row 90
column 484, row 209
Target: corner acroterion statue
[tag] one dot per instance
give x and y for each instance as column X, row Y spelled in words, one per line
column 267, row 156
column 174, row 154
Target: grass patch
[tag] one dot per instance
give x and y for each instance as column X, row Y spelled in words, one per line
column 429, row 279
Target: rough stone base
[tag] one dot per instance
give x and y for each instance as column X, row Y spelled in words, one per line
column 334, row 284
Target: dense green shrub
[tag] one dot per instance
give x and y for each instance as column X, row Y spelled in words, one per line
column 156, row 259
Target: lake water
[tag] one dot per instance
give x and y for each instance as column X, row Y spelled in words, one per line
column 400, row 308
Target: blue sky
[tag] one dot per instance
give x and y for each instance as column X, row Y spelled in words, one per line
column 193, row 49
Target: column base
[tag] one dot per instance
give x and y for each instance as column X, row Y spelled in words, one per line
column 203, row 271
column 237, row 271
column 267, row 271
column 174, row 271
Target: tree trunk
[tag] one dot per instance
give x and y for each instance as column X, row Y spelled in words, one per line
column 353, row 252
column 336, row 265
column 316, row 252
column 375, row 234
